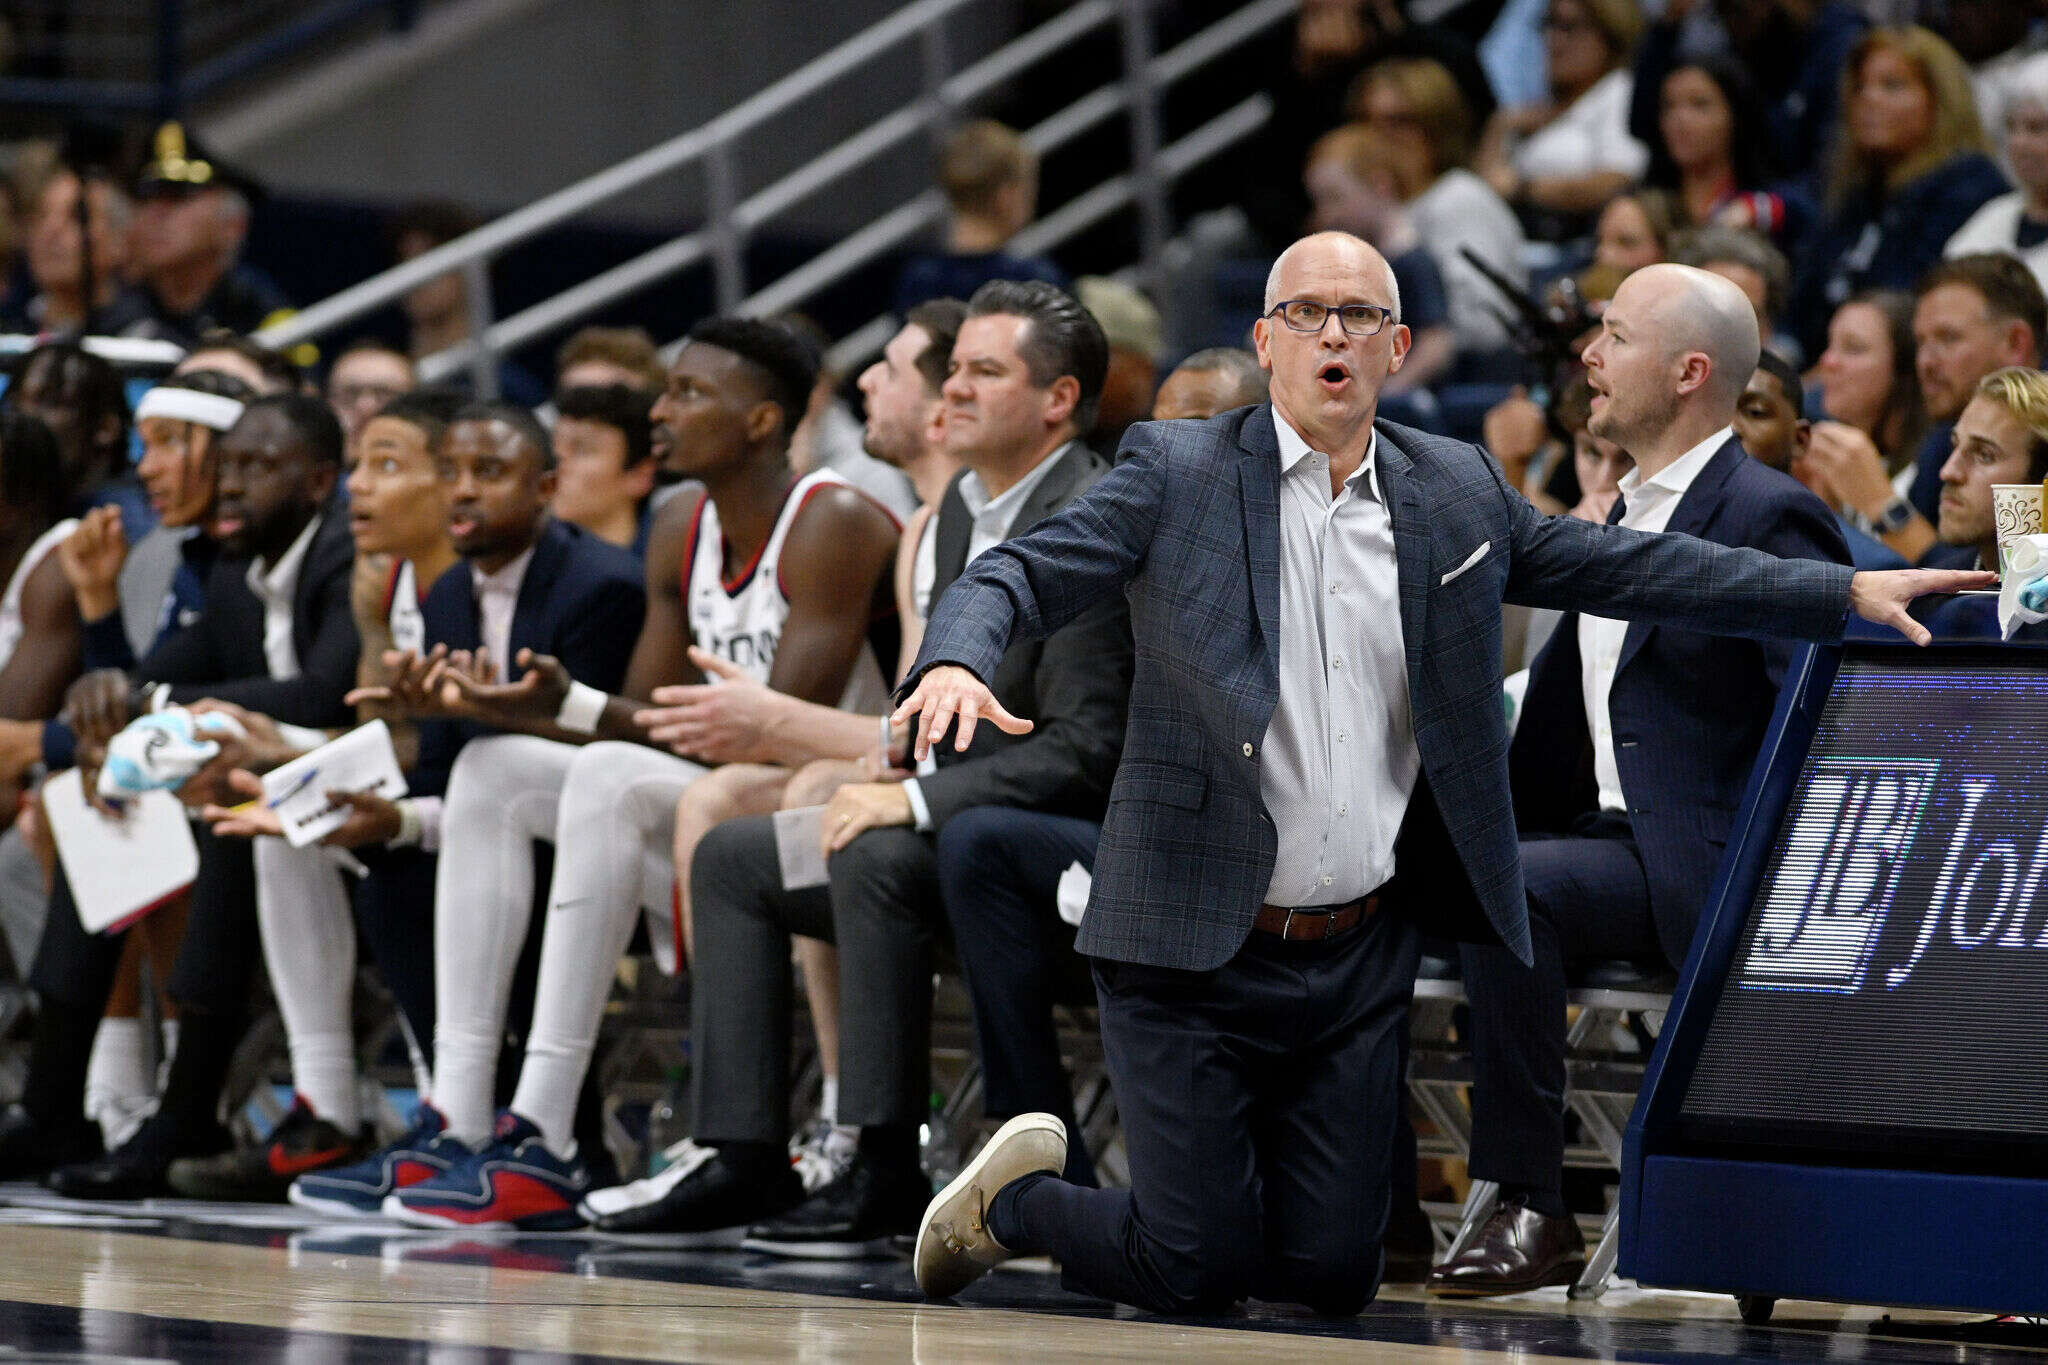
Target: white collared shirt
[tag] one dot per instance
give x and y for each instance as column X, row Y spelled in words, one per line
column 496, row 596
column 993, row 518
column 275, row 587
column 1339, row 761
column 1647, row 505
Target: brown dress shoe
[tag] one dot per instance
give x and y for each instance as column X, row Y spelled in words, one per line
column 1517, row 1249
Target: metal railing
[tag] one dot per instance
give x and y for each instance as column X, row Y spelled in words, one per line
column 157, row 56
column 731, row 220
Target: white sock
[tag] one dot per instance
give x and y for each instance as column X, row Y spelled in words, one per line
column 618, row 811
column 309, row 946
column 828, row 1105
column 502, row 796
column 169, row 1034
column 118, row 1085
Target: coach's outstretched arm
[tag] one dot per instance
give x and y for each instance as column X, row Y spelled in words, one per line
column 1029, row 586
column 1693, row 584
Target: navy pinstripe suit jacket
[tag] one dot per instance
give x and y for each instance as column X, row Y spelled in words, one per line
column 1188, row 526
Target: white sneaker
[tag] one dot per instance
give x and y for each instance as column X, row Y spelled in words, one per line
column 680, row 1160
column 954, row 1248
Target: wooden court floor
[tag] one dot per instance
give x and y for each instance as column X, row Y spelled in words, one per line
column 171, row 1280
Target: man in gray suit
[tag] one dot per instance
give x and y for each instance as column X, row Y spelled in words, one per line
column 1315, row 766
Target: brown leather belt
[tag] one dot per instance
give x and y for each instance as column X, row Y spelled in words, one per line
column 1312, row 923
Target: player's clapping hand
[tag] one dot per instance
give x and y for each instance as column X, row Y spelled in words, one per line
column 468, row 687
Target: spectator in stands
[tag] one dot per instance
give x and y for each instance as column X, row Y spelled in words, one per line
column 1867, row 379
column 1634, row 230
column 597, row 356
column 1618, row 852
column 1557, row 163
column 1770, row 416
column 1137, row 341
column 2001, row 436
column 1352, row 181
column 2018, row 222
column 1712, row 150
column 1026, row 370
column 1975, row 314
column 989, row 176
column 604, row 463
column 1418, row 103
column 79, row 396
column 491, row 465
column 1745, row 258
column 1209, row 382
column 363, row 378
column 191, row 219
column 264, row 370
column 1998, row 38
column 1794, row 50
column 1908, row 171
column 438, row 311
column 56, row 252
column 829, row 436
column 779, row 575
column 275, row 636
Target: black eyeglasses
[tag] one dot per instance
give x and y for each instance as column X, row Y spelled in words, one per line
column 1357, row 319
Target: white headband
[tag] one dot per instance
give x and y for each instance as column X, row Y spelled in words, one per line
column 189, row 405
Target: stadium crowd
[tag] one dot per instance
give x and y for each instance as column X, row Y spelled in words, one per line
column 636, row 631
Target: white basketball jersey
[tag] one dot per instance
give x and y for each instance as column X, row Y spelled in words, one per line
column 741, row 621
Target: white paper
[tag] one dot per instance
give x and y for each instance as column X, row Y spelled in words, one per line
column 360, row 761
column 797, row 848
column 1072, row 896
column 122, row 869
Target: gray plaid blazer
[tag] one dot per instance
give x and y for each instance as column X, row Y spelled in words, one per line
column 1188, row 526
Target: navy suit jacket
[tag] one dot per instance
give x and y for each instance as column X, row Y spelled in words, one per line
column 220, row 655
column 1688, row 710
column 582, row 602
column 1187, row 525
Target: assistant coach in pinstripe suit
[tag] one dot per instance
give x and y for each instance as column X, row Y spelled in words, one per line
column 1315, row 765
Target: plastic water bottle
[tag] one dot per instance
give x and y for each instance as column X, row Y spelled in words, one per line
column 670, row 1120
column 938, row 1152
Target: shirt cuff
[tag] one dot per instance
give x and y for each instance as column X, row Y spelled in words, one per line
column 920, row 812
column 60, row 746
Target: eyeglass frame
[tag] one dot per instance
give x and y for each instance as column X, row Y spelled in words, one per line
column 1386, row 315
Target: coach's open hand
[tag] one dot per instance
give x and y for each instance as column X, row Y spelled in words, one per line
column 948, row 691
column 1882, row 596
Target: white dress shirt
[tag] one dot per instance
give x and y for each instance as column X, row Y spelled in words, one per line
column 1647, row 505
column 274, row 588
column 992, row 520
column 497, row 594
column 1340, row 760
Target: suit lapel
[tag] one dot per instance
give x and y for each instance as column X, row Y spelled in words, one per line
column 949, row 548
column 543, row 575
column 1411, row 543
column 1694, row 513
column 1258, row 475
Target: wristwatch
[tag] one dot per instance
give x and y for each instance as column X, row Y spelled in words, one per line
column 1894, row 517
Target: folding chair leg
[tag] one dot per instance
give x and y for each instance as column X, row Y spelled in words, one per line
column 1478, row 1208
column 1592, row 1282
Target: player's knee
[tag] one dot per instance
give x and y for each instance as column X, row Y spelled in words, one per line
column 814, row 783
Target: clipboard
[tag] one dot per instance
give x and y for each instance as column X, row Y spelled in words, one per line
column 119, row 870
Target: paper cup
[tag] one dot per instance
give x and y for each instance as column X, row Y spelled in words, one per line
column 2016, row 511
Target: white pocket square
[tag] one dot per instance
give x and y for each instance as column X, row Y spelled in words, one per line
column 1470, row 560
